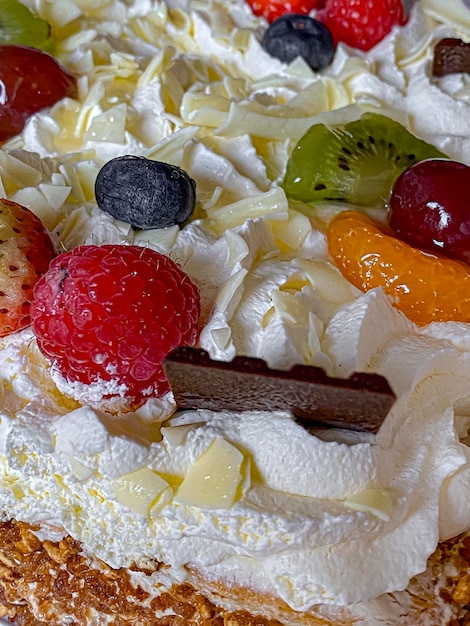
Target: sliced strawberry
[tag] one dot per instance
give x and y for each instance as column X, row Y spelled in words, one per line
column 272, row 9
column 25, row 253
column 361, row 23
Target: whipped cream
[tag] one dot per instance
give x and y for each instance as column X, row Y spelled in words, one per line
column 322, row 517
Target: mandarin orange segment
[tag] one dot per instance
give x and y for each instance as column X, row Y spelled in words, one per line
column 425, row 287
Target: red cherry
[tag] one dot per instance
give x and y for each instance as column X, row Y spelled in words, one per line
column 430, row 207
column 30, row 80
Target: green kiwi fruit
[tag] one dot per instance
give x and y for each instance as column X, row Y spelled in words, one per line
column 356, row 163
column 19, row 26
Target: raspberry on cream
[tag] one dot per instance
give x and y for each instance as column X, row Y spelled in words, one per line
column 326, row 521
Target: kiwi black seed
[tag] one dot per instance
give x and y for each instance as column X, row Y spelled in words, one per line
column 357, row 162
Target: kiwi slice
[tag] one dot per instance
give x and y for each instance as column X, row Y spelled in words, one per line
column 19, row 26
column 356, row 163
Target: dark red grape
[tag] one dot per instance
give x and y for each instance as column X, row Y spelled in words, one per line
column 430, row 207
column 30, row 80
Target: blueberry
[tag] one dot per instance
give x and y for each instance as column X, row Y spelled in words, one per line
column 144, row 193
column 295, row 35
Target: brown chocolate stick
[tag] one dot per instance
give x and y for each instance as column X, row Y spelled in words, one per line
column 360, row 402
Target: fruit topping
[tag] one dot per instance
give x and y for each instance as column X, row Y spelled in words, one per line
column 25, row 253
column 356, row 163
column 450, row 57
column 429, row 207
column 145, row 193
column 106, row 316
column 360, row 402
column 30, row 80
column 361, row 23
column 19, row 26
column 272, row 9
column 292, row 36
column 425, row 287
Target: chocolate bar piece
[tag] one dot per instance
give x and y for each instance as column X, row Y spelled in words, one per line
column 451, row 56
column 360, row 402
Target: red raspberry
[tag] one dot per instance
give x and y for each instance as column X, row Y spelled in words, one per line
column 106, row 316
column 25, row 253
column 272, row 9
column 361, row 23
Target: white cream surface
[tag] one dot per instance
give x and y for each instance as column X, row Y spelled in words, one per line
column 191, row 85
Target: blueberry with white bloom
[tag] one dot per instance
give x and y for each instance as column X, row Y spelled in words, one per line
column 293, row 35
column 145, row 193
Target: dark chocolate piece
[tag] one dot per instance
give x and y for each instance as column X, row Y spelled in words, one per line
column 451, row 56
column 360, row 402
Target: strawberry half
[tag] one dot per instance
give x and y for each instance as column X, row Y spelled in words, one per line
column 25, row 253
column 272, row 9
column 361, row 23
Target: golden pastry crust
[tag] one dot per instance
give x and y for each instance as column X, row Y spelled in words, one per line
column 55, row 583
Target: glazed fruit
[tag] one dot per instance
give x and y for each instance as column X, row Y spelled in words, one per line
column 361, row 23
column 106, row 316
column 272, row 9
column 357, row 162
column 429, row 207
column 19, row 26
column 425, row 287
column 25, row 253
column 292, row 36
column 145, row 193
column 31, row 80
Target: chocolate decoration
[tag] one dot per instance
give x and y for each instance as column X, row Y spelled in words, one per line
column 359, row 403
column 451, row 56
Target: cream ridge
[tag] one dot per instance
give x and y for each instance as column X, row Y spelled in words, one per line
column 321, row 517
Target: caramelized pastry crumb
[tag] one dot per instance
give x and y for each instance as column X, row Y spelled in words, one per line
column 55, row 583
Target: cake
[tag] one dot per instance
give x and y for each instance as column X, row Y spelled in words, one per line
column 106, row 514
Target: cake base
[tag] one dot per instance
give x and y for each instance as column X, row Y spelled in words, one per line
column 43, row 582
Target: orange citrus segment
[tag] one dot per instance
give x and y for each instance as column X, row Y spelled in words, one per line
column 425, row 287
